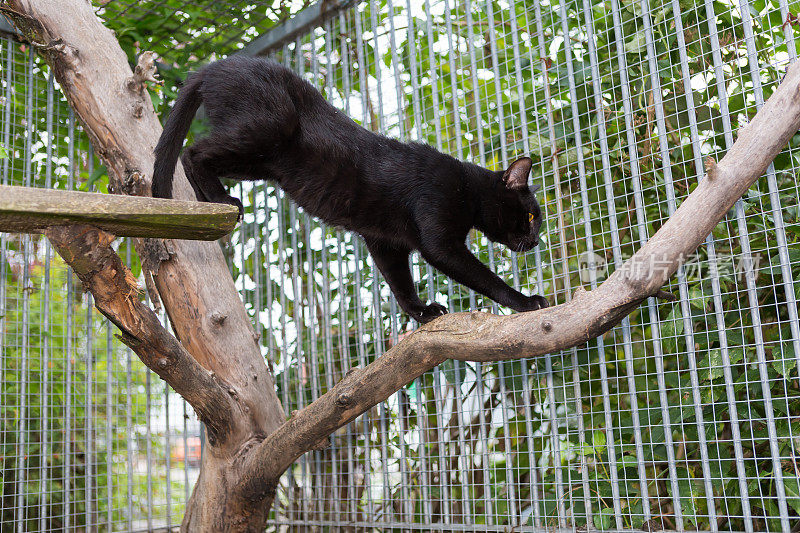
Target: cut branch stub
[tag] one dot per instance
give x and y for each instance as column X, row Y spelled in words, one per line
column 25, row 210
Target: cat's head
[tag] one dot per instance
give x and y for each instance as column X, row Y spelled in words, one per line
column 517, row 219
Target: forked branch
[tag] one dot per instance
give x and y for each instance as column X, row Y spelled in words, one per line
column 117, row 295
column 237, row 483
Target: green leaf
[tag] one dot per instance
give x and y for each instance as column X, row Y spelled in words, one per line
column 636, row 44
column 792, row 485
column 784, row 359
column 604, row 519
column 599, row 438
column 98, row 173
column 671, row 329
column 697, row 298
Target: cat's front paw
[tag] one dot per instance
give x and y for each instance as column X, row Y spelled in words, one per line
column 430, row 312
column 535, row 302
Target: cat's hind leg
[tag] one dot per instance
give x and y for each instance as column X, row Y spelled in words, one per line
column 392, row 261
column 187, row 169
column 207, row 160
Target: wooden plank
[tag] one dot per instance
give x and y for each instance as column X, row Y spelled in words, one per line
column 29, row 210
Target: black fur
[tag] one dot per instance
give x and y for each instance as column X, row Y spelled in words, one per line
column 268, row 123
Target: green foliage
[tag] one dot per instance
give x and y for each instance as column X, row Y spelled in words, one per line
column 72, row 403
column 320, row 312
column 54, row 404
column 579, row 428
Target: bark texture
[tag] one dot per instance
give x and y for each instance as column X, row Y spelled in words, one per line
column 192, row 278
column 28, row 210
column 251, row 445
column 117, row 295
column 484, row 337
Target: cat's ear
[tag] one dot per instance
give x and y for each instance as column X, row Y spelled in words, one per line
column 516, row 176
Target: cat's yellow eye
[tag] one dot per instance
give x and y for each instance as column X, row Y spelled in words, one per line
column 530, row 217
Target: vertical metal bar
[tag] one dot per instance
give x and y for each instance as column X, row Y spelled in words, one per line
column 299, row 321
column 69, row 352
column 6, row 178
column 45, row 411
column 483, row 444
column 655, row 87
column 715, row 282
column 22, row 448
column 89, row 487
column 330, row 370
column 344, row 351
column 595, row 71
column 330, row 374
column 8, row 66
column 268, row 217
column 536, row 504
column 453, row 47
column 89, row 414
column 788, row 34
column 377, row 338
column 417, row 126
column 501, row 366
column 317, row 481
column 167, row 455
column 360, row 347
column 752, row 60
column 185, row 442
column 283, row 206
column 587, row 501
column 436, row 114
column 286, row 362
column 462, row 456
column 109, row 433
column 148, row 449
column 554, row 434
column 345, row 354
column 92, row 506
column 484, row 440
column 129, row 414
column 474, row 76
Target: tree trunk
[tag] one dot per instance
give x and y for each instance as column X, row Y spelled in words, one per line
column 250, row 446
column 192, row 278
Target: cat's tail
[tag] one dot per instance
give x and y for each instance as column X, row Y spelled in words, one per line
column 175, row 130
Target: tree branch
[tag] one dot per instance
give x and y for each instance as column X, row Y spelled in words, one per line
column 117, row 295
column 238, row 480
column 192, row 277
column 483, row 337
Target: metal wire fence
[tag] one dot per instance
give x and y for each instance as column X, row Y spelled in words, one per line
column 89, row 439
column 683, row 417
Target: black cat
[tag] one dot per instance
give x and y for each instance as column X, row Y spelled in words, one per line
column 268, row 123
